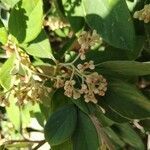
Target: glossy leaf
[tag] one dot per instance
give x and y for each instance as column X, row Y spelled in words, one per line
column 80, row 103
column 58, row 100
column 40, row 47
column 61, row 124
column 26, row 19
column 68, row 145
column 128, row 68
column 109, row 53
column 114, row 137
column 112, row 114
column 116, row 28
column 103, row 119
column 127, row 100
column 85, row 136
column 128, row 135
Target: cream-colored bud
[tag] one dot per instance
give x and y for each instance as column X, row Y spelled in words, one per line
column 143, row 14
column 80, row 66
column 76, row 94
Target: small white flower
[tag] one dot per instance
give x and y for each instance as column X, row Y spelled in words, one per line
column 80, row 66
column 143, row 14
column 91, row 65
column 76, row 94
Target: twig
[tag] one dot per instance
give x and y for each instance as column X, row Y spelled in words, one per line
column 39, row 145
column 21, row 141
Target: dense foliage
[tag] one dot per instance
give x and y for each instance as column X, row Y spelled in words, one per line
column 80, row 68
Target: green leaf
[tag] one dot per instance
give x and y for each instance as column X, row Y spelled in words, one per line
column 112, row 114
column 114, row 137
column 102, row 118
column 61, row 125
column 26, row 20
column 6, row 79
column 58, row 100
column 74, row 12
column 126, row 100
column 145, row 124
column 112, row 21
column 88, row 108
column 128, row 135
column 19, row 116
column 85, row 136
column 13, row 113
column 80, row 103
column 40, row 47
column 3, row 33
column 109, row 53
column 128, row 68
column 68, row 145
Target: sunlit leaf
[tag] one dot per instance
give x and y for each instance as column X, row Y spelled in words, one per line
column 26, row 19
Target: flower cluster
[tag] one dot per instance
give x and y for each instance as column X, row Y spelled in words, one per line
column 27, row 86
column 70, row 91
column 76, row 79
column 31, row 91
column 92, row 83
column 143, row 14
column 55, row 23
column 87, row 40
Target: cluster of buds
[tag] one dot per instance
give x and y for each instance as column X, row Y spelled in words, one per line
column 86, row 65
column 70, row 91
column 94, row 84
column 31, row 92
column 143, row 14
column 58, row 82
column 25, row 89
column 29, row 86
column 55, row 23
column 87, row 40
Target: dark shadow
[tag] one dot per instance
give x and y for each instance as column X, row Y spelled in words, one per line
column 76, row 22
column 17, row 22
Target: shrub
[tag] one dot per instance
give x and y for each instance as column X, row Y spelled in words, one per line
column 80, row 68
